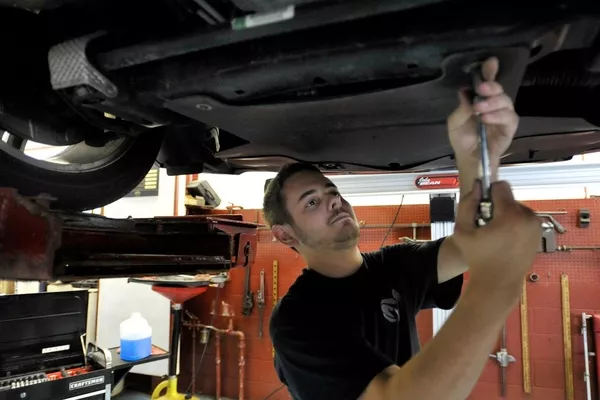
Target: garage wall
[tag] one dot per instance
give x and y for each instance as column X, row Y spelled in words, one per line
column 544, row 310
column 545, row 324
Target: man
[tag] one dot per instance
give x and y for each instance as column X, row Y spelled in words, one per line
column 346, row 328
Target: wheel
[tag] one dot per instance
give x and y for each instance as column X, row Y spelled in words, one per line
column 79, row 177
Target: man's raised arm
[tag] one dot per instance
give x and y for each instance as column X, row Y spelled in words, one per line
column 497, row 112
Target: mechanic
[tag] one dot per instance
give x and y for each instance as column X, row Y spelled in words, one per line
column 346, row 329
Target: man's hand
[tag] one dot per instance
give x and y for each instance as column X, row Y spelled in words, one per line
column 497, row 112
column 500, row 253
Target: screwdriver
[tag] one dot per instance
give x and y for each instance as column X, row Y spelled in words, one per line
column 485, row 204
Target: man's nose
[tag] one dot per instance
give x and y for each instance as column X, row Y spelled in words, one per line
column 336, row 202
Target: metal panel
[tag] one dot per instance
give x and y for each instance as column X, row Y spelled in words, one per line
column 440, row 230
column 523, row 176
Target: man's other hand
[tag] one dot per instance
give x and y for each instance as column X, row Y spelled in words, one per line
column 497, row 112
column 500, row 253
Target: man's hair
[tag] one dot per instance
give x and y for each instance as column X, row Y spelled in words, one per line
column 274, row 209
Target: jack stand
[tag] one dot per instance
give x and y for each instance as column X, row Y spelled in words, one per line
column 503, row 359
column 177, row 295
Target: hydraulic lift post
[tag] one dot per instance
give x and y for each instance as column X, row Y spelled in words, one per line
column 37, row 243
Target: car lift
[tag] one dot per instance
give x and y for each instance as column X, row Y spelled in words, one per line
column 39, row 244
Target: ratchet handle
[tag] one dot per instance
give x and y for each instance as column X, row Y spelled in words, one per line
column 485, row 212
column 485, row 206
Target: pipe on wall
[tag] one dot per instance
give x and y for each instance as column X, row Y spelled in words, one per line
column 176, row 197
column 218, row 364
column 596, row 330
column 229, row 331
column 241, row 357
column 586, row 355
column 193, row 361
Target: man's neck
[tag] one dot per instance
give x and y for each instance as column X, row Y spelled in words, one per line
column 335, row 263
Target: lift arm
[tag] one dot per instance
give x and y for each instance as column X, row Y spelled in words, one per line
column 39, row 244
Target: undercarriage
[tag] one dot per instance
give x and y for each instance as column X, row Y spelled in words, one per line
column 229, row 86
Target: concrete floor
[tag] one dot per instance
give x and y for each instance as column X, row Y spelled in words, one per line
column 129, row 395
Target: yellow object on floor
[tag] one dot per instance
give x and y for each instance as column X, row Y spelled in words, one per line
column 171, row 391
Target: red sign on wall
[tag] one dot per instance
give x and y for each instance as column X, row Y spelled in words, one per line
column 428, row 182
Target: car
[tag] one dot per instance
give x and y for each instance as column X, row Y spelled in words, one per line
column 229, row 86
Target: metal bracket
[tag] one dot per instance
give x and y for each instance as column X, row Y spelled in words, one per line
column 548, row 243
column 503, row 358
column 442, row 207
column 70, row 67
column 555, row 224
column 93, row 351
column 584, row 218
column 260, row 299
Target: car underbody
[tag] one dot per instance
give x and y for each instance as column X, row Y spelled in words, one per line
column 229, row 86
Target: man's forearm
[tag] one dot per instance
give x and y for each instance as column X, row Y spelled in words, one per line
column 469, row 169
column 450, row 365
column 451, row 262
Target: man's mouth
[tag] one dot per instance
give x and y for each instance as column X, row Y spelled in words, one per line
column 341, row 216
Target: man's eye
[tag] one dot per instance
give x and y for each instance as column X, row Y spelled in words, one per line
column 311, row 203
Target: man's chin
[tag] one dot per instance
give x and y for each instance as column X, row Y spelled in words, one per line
column 349, row 232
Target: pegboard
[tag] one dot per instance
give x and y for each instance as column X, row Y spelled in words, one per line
column 582, row 267
column 579, row 265
column 409, row 213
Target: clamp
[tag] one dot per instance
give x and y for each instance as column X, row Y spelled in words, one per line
column 503, row 358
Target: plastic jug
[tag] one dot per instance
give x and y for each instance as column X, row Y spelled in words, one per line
column 136, row 338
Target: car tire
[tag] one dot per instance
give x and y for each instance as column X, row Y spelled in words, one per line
column 84, row 190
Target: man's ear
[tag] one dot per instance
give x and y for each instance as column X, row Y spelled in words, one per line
column 283, row 234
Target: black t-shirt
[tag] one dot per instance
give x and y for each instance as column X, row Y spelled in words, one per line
column 332, row 336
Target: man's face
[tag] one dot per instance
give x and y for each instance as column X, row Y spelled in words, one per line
column 322, row 219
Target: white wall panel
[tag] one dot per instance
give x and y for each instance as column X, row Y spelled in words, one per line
column 117, row 299
column 438, row 231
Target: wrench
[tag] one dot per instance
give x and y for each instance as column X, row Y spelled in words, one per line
column 485, row 205
column 260, row 302
column 248, row 302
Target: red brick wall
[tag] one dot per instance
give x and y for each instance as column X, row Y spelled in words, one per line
column 546, row 345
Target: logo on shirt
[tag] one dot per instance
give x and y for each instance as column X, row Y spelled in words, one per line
column 389, row 307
